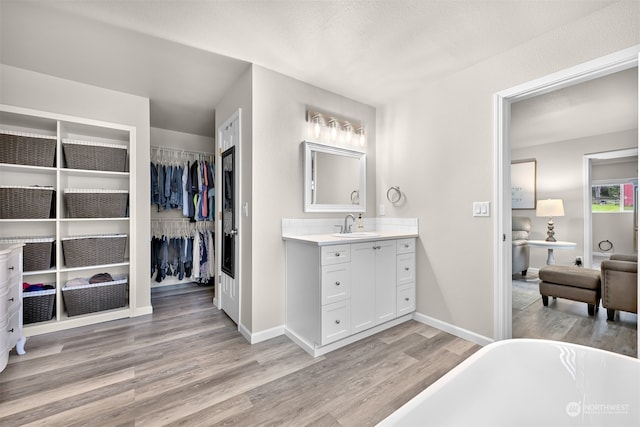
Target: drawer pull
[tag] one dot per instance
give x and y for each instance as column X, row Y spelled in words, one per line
column 11, row 299
column 338, row 283
column 337, row 321
column 406, row 246
column 406, row 269
column 10, row 331
column 337, row 253
column 12, row 268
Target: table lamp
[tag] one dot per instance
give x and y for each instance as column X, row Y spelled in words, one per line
column 550, row 208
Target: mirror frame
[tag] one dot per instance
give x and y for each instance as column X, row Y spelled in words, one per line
column 309, row 206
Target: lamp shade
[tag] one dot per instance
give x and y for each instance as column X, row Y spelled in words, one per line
column 550, row 208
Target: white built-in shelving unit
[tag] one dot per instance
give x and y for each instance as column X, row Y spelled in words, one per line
column 61, row 225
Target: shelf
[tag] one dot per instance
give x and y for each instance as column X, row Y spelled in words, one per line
column 28, row 168
column 27, row 220
column 86, row 172
column 66, row 322
column 93, row 267
column 36, row 272
column 94, row 219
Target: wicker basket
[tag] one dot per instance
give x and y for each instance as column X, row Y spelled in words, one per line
column 27, row 149
column 94, row 155
column 92, row 203
column 18, row 202
column 80, row 251
column 95, row 297
column 37, row 253
column 38, row 306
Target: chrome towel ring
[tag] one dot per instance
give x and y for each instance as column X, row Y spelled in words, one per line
column 394, row 194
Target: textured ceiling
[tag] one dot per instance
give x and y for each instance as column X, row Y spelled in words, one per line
column 184, row 54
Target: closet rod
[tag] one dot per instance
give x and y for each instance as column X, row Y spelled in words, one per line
column 180, row 150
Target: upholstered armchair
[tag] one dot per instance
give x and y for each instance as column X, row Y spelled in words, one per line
column 520, row 230
column 619, row 279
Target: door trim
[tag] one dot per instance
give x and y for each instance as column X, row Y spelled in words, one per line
column 599, row 67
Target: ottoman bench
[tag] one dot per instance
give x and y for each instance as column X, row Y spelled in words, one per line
column 574, row 283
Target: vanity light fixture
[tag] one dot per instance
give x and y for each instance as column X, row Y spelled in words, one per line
column 330, row 128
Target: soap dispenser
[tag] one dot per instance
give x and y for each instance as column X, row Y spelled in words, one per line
column 360, row 223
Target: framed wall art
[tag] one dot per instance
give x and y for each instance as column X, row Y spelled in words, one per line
column 523, row 184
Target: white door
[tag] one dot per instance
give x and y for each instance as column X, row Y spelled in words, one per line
column 228, row 199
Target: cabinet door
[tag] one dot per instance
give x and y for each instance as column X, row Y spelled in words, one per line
column 363, row 278
column 385, row 283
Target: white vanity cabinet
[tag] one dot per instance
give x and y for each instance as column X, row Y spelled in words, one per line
column 338, row 293
column 10, row 302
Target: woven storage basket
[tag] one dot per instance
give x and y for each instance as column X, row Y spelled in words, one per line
column 18, row 202
column 92, row 203
column 38, row 306
column 95, row 297
column 94, row 155
column 80, row 251
column 37, row 252
column 27, row 149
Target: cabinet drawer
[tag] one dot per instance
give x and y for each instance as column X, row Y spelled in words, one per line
column 336, row 320
column 406, row 269
column 335, row 254
column 336, row 284
column 405, row 246
column 13, row 330
column 13, row 266
column 405, row 300
column 12, row 297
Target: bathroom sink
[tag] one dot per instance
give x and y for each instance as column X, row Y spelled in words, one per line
column 356, row 234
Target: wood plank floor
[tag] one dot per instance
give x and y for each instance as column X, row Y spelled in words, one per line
column 568, row 321
column 186, row 364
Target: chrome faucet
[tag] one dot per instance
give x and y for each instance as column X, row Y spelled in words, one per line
column 347, row 229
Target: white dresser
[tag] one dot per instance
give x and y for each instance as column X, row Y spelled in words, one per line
column 10, row 301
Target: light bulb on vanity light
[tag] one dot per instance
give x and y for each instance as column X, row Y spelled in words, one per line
column 333, row 125
column 361, row 136
column 317, row 124
column 348, row 132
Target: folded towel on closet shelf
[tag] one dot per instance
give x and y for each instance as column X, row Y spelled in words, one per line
column 101, row 278
column 77, row 282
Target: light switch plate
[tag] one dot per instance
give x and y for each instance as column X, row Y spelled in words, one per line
column 481, row 209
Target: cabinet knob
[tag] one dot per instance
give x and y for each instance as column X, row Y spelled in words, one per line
column 406, row 269
column 337, row 253
column 337, row 283
column 337, row 321
column 12, row 268
column 10, row 331
column 406, row 298
column 11, row 299
column 406, row 246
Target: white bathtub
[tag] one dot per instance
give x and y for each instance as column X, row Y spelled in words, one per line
column 524, row 382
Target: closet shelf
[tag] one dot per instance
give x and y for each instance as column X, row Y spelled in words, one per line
column 27, row 168
column 8, row 220
column 35, row 272
column 93, row 267
column 93, row 219
column 86, row 172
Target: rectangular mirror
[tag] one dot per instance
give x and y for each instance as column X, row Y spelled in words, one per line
column 334, row 179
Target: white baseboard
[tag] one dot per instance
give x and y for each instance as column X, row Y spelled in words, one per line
column 141, row 311
column 453, row 330
column 262, row 335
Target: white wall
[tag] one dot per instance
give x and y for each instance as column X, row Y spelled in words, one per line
column 279, row 127
column 37, row 91
column 437, row 145
column 560, row 176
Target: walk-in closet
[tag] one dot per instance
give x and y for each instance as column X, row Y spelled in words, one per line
column 182, row 197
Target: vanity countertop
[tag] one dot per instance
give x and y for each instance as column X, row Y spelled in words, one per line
column 332, row 239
